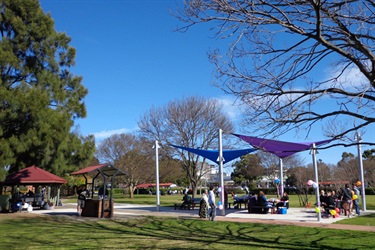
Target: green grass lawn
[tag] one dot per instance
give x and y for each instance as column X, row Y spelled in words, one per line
column 27, row 231
column 30, row 231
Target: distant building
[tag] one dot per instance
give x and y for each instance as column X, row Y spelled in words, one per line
column 211, row 176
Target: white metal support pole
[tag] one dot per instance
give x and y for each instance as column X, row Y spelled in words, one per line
column 221, row 159
column 281, row 178
column 359, row 139
column 317, row 181
column 157, row 175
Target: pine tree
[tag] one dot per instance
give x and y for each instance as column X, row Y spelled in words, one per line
column 39, row 96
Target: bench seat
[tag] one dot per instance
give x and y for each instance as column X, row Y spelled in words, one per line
column 258, row 209
column 195, row 202
column 237, row 205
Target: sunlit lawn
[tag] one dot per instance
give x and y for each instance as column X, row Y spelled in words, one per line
column 30, row 231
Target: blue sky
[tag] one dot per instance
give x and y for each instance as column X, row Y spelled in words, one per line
column 131, row 59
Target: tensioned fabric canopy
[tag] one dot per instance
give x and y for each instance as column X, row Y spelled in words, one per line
column 107, row 169
column 213, row 155
column 280, row 148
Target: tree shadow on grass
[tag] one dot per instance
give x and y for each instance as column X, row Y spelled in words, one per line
column 235, row 235
column 171, row 233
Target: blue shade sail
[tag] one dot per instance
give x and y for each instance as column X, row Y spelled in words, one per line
column 280, row 148
column 213, row 155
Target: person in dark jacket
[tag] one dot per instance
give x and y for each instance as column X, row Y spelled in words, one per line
column 284, row 201
column 329, row 203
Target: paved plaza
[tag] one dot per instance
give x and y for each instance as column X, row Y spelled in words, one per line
column 294, row 216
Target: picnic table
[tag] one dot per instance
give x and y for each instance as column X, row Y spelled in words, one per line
column 189, row 204
column 256, row 208
column 239, row 201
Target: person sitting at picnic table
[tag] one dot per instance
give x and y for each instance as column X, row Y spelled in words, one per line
column 322, row 197
column 329, row 203
column 284, row 201
column 262, row 199
column 252, row 200
column 30, row 193
column 186, row 200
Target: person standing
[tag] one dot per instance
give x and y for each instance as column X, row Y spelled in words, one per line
column 225, row 198
column 211, row 201
column 43, row 192
column 83, row 193
column 346, row 199
column 356, row 199
column 203, row 208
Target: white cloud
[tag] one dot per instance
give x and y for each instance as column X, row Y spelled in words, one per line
column 107, row 133
column 231, row 106
column 352, row 78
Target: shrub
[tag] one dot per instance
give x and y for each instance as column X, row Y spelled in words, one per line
column 119, row 191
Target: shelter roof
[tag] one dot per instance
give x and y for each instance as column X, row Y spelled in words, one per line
column 33, row 175
column 106, row 169
column 149, row 185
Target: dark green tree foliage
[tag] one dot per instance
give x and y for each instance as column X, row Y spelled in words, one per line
column 39, row 97
column 247, row 169
column 369, row 154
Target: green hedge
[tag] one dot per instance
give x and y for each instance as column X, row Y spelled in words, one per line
column 118, row 191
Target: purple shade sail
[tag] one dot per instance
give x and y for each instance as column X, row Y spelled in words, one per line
column 280, row 148
column 213, row 155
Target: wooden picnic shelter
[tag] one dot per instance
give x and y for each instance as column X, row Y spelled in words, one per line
column 101, row 206
column 37, row 178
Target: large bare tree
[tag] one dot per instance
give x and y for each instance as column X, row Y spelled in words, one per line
column 127, row 152
column 191, row 122
column 288, row 57
column 300, row 176
column 347, row 169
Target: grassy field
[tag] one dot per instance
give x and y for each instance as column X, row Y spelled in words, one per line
column 28, row 231
column 31, row 231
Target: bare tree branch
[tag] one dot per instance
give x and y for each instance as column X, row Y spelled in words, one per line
column 192, row 122
column 277, row 51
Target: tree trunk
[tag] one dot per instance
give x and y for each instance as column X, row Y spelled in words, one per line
column 194, row 189
column 131, row 191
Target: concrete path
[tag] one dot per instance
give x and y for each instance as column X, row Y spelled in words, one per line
column 294, row 216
